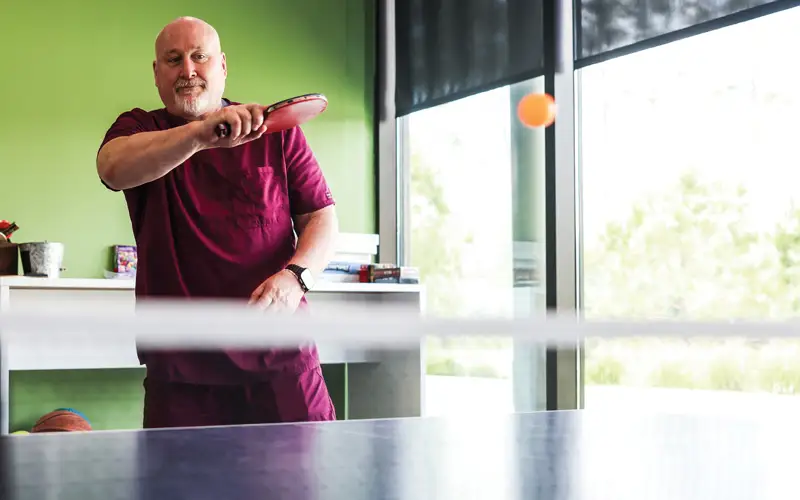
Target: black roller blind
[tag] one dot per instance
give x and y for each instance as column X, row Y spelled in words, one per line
column 449, row 49
column 607, row 25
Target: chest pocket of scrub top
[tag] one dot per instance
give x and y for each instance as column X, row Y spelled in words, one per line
column 259, row 197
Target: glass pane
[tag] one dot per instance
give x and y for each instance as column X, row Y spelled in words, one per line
column 691, row 211
column 475, row 199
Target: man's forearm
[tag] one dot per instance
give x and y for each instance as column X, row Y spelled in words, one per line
column 127, row 162
column 316, row 241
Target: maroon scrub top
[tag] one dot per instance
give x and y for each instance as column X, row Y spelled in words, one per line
column 216, row 227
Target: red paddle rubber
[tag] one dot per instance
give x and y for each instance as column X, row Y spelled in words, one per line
column 287, row 113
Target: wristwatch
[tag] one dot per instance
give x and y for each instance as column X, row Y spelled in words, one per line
column 303, row 276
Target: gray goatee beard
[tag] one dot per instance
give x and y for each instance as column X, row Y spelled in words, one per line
column 192, row 105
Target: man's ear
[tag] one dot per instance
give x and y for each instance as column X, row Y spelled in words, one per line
column 224, row 65
column 154, row 73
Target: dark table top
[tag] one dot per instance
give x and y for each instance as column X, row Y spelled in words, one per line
column 548, row 456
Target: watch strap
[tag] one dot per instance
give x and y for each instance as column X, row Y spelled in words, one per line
column 298, row 273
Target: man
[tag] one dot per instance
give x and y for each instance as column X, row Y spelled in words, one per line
column 216, row 218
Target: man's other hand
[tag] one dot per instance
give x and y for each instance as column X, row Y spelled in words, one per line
column 281, row 292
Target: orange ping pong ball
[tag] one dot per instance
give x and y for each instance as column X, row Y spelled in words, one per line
column 537, row 110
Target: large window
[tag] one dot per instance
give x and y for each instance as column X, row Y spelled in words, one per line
column 691, row 210
column 473, row 221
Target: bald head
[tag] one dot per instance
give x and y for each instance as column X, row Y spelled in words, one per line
column 189, row 68
column 187, row 25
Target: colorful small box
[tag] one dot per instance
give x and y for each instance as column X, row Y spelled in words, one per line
column 124, row 259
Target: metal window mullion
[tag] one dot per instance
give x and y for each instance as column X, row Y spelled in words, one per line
column 386, row 136
column 564, row 378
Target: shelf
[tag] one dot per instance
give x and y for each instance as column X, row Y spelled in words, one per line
column 128, row 284
column 332, row 286
column 66, row 283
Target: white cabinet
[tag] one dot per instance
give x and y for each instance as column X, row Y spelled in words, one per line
column 380, row 383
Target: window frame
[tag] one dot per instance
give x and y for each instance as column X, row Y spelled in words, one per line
column 563, row 366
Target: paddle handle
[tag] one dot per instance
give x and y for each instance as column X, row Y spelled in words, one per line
column 223, row 130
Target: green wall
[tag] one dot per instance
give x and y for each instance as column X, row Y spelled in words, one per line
column 70, row 69
column 111, row 399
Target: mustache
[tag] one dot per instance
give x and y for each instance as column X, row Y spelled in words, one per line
column 194, row 82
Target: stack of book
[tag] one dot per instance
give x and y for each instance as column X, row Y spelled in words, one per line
column 353, row 272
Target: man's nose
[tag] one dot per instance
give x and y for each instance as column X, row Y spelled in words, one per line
column 188, row 68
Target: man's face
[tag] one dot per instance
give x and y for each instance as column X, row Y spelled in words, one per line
column 190, row 69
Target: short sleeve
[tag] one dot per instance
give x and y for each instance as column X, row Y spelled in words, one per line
column 308, row 189
column 128, row 123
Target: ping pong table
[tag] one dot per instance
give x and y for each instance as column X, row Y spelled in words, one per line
column 578, row 455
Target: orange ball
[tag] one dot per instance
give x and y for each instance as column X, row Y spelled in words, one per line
column 537, row 110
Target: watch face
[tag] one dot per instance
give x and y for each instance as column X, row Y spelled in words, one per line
column 308, row 280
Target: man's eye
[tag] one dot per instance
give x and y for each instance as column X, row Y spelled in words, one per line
column 174, row 60
column 201, row 56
